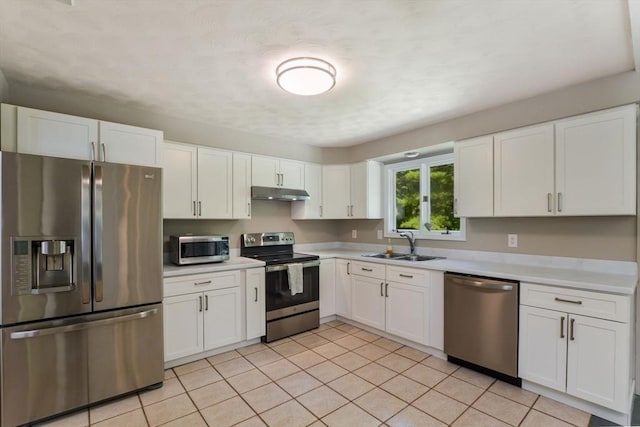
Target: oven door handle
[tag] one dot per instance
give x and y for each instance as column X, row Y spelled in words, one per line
column 280, row 267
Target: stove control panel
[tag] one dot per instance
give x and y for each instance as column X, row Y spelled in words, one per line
column 267, row 239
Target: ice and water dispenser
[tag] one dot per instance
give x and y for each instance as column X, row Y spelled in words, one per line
column 43, row 265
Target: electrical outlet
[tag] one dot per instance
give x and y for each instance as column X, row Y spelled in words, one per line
column 354, row 234
column 512, row 240
column 379, row 234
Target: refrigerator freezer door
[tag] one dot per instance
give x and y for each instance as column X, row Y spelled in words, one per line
column 46, row 202
column 127, row 236
column 125, row 351
column 44, row 370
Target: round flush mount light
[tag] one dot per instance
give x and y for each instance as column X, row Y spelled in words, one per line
column 306, row 76
column 411, row 154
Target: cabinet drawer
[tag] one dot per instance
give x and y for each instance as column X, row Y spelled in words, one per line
column 586, row 303
column 201, row 282
column 368, row 269
column 410, row 276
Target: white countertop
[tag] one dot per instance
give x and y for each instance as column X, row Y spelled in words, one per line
column 234, row 263
column 622, row 284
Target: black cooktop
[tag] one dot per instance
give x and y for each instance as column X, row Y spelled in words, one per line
column 283, row 258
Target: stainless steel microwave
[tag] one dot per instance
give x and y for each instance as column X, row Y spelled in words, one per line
column 189, row 249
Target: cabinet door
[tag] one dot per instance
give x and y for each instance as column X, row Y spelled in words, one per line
column 256, row 312
column 407, row 311
column 598, row 361
column 358, row 190
column 543, row 347
column 215, row 173
column 183, row 334
column 57, row 135
column 473, row 178
column 130, row 145
column 264, row 171
column 596, row 163
column 327, row 287
column 523, row 174
column 179, row 180
column 336, row 197
column 222, row 317
column 312, row 208
column 368, row 301
column 241, row 186
column 292, row 174
column 343, row 288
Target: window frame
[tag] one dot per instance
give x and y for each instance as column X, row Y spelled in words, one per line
column 424, row 164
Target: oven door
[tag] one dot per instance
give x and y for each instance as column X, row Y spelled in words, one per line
column 278, row 293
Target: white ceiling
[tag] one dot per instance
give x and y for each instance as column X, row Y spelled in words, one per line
column 401, row 64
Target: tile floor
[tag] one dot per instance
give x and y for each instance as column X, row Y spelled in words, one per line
column 336, row 375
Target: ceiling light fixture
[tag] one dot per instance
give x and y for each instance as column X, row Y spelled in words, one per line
column 306, row 76
column 411, row 154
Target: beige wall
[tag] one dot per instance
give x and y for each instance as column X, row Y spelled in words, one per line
column 611, row 238
column 4, row 88
column 175, row 128
column 266, row 216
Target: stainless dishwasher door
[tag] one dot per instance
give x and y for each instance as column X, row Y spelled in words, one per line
column 481, row 321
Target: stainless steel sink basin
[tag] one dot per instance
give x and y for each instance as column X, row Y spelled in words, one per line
column 403, row 257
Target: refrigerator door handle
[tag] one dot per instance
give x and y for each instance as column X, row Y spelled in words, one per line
column 81, row 326
column 85, row 233
column 97, row 234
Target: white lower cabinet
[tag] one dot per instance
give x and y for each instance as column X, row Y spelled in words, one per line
column 343, row 288
column 368, row 302
column 397, row 300
column 255, row 303
column 203, row 312
column 581, row 355
column 327, row 287
column 183, row 326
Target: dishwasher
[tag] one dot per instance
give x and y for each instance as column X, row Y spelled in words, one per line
column 481, row 324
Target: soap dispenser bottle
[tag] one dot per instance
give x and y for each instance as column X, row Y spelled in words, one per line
column 389, row 250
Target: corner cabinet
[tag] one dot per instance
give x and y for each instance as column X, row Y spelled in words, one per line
column 361, row 198
column 197, row 182
column 61, row 135
column 583, row 165
column 274, row 172
column 577, row 342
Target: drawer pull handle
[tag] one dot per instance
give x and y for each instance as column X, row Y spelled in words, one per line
column 206, row 282
column 366, row 269
column 568, row 300
column 562, row 327
column 408, row 276
column 571, row 337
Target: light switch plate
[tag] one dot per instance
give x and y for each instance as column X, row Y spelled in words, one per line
column 354, row 234
column 379, row 234
column 512, row 240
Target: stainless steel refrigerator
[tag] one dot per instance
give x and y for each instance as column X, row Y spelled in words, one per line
column 81, row 266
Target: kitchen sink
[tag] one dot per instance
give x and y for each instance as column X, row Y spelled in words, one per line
column 403, row 257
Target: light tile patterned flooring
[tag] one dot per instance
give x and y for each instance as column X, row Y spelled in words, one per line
column 336, row 375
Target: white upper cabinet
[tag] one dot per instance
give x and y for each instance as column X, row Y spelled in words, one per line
column 241, row 186
column 523, row 172
column 179, row 180
column 130, row 144
column 473, row 177
column 196, row 182
column 596, row 163
column 62, row 135
column 352, row 191
column 312, row 208
column 54, row 134
column 273, row 172
column 215, row 173
column 583, row 165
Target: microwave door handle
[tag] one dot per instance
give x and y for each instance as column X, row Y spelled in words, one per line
column 97, row 232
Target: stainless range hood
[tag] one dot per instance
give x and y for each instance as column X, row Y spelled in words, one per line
column 277, row 193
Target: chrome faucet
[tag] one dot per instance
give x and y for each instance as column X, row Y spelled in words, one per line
column 412, row 240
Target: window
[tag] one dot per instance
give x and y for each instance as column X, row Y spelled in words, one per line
column 419, row 198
